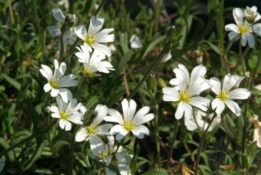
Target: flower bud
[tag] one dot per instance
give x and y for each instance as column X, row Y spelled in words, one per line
column 251, row 14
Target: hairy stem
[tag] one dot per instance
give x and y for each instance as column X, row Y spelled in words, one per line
column 173, row 142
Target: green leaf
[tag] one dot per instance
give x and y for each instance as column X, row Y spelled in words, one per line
column 152, row 45
column 34, row 115
column 12, row 81
column 156, row 172
column 92, row 102
column 5, row 145
column 123, row 61
column 214, row 47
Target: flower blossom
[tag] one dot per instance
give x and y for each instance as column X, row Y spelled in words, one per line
column 243, row 28
column 117, row 156
column 94, row 37
column 186, row 91
column 67, row 112
column 91, row 133
column 228, row 92
column 191, row 124
column 56, row 30
column 57, row 82
column 135, row 42
column 251, row 14
column 130, row 121
column 93, row 63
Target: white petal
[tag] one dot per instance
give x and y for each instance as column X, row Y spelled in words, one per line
column 140, row 114
column 140, row 131
column 233, row 107
column 216, row 85
column 200, row 102
column 104, row 129
column 54, row 92
column 58, row 15
column 135, row 42
column 81, row 32
column 47, row 87
column 65, row 94
column 170, row 94
column 76, row 118
column 232, row 27
column 81, row 135
column 46, row 72
column 122, row 132
column 143, row 119
column 102, row 48
column 239, row 94
column 97, row 145
column 218, row 105
column 188, row 111
column 180, row 110
column 257, row 29
column 198, row 71
column 64, row 124
column 250, row 39
column 229, row 82
column 95, row 25
column 115, row 116
column 232, row 35
column 101, row 111
column 238, row 15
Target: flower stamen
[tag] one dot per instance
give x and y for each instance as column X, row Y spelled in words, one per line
column 90, row 130
column 128, row 125
column 184, row 96
column 223, row 96
column 89, row 39
column 64, row 115
column 54, row 83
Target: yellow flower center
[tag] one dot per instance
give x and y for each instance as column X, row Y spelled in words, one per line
column 128, row 125
column 90, row 130
column 54, row 83
column 184, row 96
column 90, row 73
column 64, row 115
column 89, row 39
column 244, row 28
column 223, row 96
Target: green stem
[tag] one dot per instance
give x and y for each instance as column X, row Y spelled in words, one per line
column 11, row 12
column 39, row 28
column 152, row 67
column 156, row 107
column 173, row 141
column 72, row 148
column 62, row 49
column 202, row 138
column 72, row 48
column 99, row 8
column 241, row 56
column 28, row 138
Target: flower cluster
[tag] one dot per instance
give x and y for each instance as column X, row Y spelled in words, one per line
column 187, row 89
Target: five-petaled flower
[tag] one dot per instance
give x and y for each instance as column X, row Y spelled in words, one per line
column 243, row 28
column 68, row 112
column 94, row 37
column 56, row 82
column 91, row 133
column 93, row 63
column 130, row 121
column 56, row 30
column 186, row 91
column 228, row 92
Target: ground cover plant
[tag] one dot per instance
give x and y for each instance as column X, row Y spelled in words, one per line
column 130, row 87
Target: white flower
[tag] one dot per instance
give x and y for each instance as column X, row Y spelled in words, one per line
column 94, row 37
column 67, row 113
column 56, row 30
column 135, row 42
column 191, row 124
column 91, row 133
column 93, row 63
column 56, row 82
column 243, row 29
column 166, row 57
column 130, row 121
column 251, row 14
column 186, row 91
column 117, row 156
column 225, row 95
column 257, row 131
